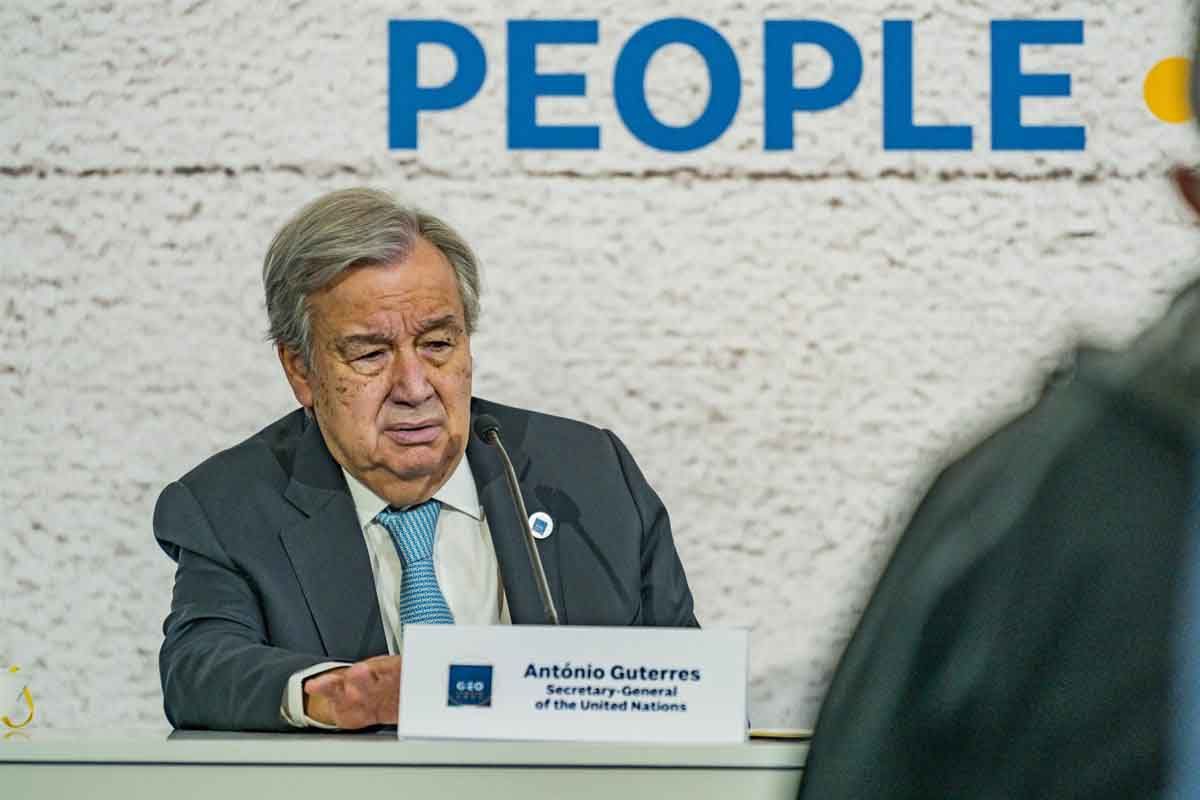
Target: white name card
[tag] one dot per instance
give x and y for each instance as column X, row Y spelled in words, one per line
column 574, row 683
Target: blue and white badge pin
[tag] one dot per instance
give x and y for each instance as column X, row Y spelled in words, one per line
column 541, row 524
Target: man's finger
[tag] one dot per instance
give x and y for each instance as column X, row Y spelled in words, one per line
column 351, row 695
column 355, row 675
column 325, row 683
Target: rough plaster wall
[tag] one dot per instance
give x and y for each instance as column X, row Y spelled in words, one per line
column 790, row 343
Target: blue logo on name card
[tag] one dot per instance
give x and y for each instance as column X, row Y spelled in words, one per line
column 470, row 685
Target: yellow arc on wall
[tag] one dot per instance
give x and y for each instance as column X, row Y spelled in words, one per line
column 1166, row 89
column 28, row 697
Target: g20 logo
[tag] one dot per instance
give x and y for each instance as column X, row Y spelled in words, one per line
column 782, row 100
column 469, row 685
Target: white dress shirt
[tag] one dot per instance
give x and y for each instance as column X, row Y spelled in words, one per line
column 464, row 561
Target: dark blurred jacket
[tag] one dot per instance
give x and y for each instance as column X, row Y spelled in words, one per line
column 1019, row 643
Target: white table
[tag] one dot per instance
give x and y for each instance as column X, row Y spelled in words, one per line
column 175, row 766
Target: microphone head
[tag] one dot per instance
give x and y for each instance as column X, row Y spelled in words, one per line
column 486, row 426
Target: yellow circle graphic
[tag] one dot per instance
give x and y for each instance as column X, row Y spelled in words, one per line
column 1166, row 90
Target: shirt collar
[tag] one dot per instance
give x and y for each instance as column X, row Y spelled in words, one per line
column 458, row 492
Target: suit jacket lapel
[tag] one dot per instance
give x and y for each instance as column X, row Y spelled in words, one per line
column 520, row 590
column 329, row 556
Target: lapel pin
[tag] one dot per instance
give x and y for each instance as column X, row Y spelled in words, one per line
column 541, row 524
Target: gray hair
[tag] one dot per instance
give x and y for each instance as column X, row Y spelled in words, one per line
column 346, row 229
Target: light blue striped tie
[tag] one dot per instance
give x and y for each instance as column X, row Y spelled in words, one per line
column 413, row 531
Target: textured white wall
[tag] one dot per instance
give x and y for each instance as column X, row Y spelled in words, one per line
column 789, row 342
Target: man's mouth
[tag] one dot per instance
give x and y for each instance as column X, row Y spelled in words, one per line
column 410, row 433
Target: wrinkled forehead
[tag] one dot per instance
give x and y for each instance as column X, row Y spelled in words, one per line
column 401, row 298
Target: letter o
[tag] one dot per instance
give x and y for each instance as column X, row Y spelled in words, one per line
column 629, row 84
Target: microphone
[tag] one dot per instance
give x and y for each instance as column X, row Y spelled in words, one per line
column 488, row 430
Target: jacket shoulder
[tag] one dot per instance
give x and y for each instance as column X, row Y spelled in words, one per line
column 268, row 453
column 242, row 483
column 529, row 427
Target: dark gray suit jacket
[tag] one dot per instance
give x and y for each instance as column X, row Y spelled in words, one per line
column 273, row 574
column 1021, row 642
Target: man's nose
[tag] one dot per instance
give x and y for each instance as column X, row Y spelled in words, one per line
column 410, row 380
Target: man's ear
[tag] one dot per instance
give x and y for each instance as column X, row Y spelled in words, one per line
column 1188, row 182
column 297, row 373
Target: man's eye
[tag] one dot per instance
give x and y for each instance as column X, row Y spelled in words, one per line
column 439, row 344
column 374, row 354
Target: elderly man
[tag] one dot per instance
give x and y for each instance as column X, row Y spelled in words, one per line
column 304, row 551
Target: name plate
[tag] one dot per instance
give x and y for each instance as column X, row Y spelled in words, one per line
column 574, row 683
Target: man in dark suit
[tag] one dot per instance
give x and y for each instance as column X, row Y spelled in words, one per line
column 1026, row 638
column 304, row 551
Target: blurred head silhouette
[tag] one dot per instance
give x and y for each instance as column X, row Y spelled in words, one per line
column 1036, row 633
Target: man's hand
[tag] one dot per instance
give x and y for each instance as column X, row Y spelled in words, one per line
column 362, row 694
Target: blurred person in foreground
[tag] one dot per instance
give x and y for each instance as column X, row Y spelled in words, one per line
column 1035, row 634
column 304, row 551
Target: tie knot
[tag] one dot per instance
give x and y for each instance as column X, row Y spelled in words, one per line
column 412, row 529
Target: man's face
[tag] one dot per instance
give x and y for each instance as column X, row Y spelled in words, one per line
column 390, row 379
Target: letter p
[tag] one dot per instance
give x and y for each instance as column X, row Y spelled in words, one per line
column 781, row 97
column 405, row 96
